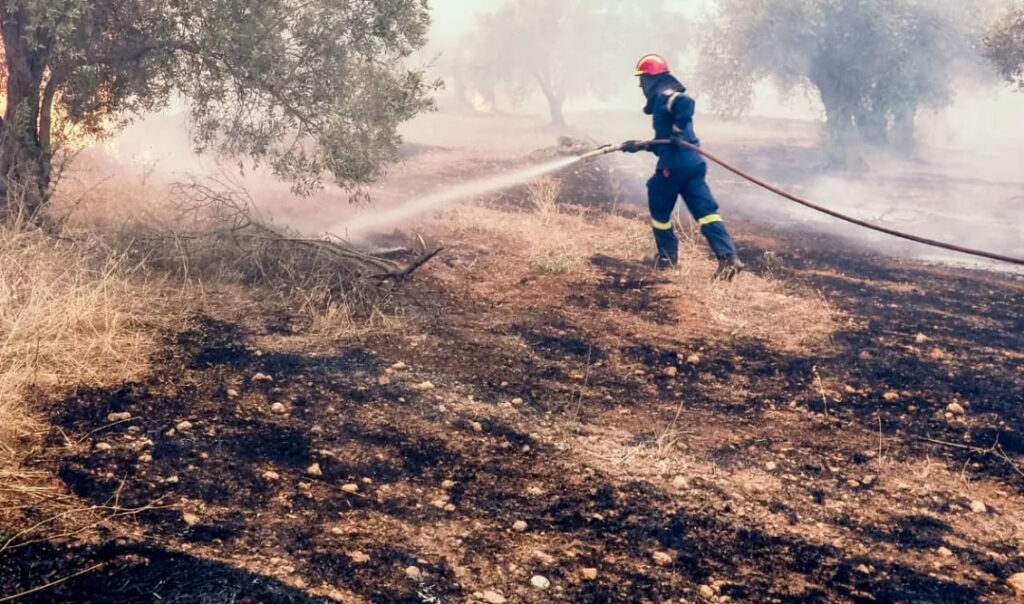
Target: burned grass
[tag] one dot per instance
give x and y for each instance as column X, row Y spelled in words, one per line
column 650, row 450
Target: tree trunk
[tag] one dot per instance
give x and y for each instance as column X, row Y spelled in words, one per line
column 555, row 99
column 842, row 142
column 873, row 126
column 24, row 159
column 556, row 105
column 903, row 137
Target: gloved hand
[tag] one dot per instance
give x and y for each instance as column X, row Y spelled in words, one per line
column 633, row 146
column 678, row 141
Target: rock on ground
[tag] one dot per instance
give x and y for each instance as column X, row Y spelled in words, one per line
column 1017, row 583
column 493, row 597
column 540, row 582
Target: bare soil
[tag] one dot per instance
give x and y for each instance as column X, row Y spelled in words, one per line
column 599, row 408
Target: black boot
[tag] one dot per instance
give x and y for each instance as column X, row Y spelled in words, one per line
column 660, row 262
column 728, row 268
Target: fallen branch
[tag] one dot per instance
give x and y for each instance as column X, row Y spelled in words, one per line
column 404, row 273
column 52, row 583
column 996, row 450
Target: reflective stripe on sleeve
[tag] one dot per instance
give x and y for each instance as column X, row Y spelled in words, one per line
column 672, row 100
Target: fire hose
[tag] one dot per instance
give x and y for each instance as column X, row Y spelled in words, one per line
column 818, row 208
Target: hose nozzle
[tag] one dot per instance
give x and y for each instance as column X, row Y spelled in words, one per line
column 605, row 150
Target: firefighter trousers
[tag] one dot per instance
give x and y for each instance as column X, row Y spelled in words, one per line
column 664, row 189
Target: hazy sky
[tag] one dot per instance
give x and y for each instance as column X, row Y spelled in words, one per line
column 454, row 16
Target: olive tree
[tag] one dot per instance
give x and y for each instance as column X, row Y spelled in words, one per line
column 1004, row 45
column 874, row 62
column 570, row 48
column 315, row 89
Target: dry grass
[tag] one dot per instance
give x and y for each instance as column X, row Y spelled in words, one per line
column 543, row 195
column 68, row 315
column 765, row 307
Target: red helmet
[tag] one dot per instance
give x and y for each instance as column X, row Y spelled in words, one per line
column 651, row 65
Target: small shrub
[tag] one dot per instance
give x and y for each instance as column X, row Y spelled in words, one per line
column 559, row 259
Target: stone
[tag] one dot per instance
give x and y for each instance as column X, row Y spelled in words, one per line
column 493, row 597
column 271, row 476
column 414, row 573
column 771, row 466
column 540, row 582
column 519, row 526
column 232, row 393
column 172, row 480
column 449, row 507
column 944, row 552
column 1016, row 582
column 190, row 518
column 891, row 396
column 183, row 426
column 979, row 507
column 544, row 558
column 350, row 488
column 706, row 591
column 383, row 380
column 448, row 485
column 103, row 447
column 671, row 371
column 680, row 482
column 864, row 570
column 693, row 359
column 956, row 408
column 119, row 417
column 145, row 458
column 921, row 338
column 278, row 409
column 315, row 471
column 262, row 377
column 590, row 574
column 399, row 366
column 663, row 558
column 422, row 387
column 476, row 426
column 358, row 557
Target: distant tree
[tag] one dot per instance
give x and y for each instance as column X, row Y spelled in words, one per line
column 570, row 48
column 874, row 62
column 1004, row 45
column 311, row 87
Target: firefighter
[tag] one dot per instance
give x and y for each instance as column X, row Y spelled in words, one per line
column 681, row 171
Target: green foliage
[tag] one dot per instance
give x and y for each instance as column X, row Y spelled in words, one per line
column 555, row 260
column 875, row 62
column 310, row 87
column 1004, row 45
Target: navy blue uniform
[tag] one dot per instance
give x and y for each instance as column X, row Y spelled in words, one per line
column 681, row 172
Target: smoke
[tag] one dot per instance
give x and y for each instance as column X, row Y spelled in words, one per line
column 964, row 184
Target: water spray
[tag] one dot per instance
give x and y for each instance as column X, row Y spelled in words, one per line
column 367, row 223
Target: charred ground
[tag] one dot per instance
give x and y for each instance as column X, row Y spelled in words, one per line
column 595, row 408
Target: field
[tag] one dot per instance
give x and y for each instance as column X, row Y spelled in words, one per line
column 536, row 416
